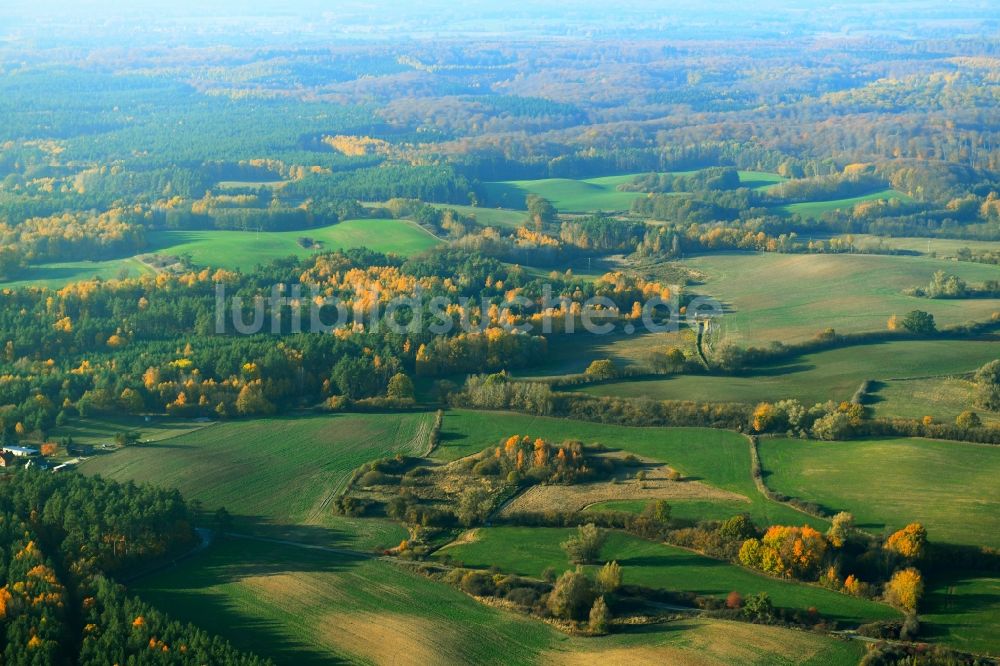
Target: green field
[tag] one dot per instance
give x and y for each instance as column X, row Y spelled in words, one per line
column 817, row 208
column 309, row 607
column 941, row 247
column 942, row 398
column 716, row 457
column 239, row 249
column 964, row 611
column 245, row 249
column 59, row 274
column 950, row 487
column 103, row 430
column 791, row 297
column 490, row 217
column 530, row 550
column 278, row 474
column 828, row 375
column 570, row 195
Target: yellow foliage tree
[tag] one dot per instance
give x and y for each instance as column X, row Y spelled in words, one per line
column 905, row 589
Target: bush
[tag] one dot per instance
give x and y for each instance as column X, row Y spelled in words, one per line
column 572, row 596
column 586, row 546
column 477, row 583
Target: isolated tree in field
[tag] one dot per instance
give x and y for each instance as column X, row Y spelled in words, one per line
column 600, row 616
column 602, row 369
column 400, row 387
column 126, row 438
column 968, row 419
column 905, row 589
column 987, row 385
column 909, row 542
column 609, row 578
column 572, row 596
column 585, row 547
column 920, row 322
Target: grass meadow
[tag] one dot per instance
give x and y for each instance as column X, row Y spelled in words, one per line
column 950, row 487
column 792, row 297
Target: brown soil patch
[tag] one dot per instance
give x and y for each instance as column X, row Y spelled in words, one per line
column 579, row 496
column 703, row 643
column 384, row 638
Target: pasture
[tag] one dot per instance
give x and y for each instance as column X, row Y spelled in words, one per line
column 528, row 551
column 950, row 487
column 830, row 375
column 715, row 457
column 279, row 474
column 792, row 297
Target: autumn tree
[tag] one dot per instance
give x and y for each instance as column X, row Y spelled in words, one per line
column 600, row 616
column 400, row 387
column 841, row 528
column 905, row 589
column 909, row 542
column 609, row 578
column 602, row 369
column 968, row 419
column 572, row 596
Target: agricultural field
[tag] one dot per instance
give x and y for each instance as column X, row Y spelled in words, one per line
column 941, row 398
column 58, row 274
column 715, row 457
column 686, row 509
column 592, row 194
column 311, row 607
column 949, row 487
column 943, row 248
column 245, row 249
column 277, row 474
column 834, row 375
column 102, row 430
column 528, row 551
column 964, row 611
column 502, row 218
column 814, row 209
column 790, row 298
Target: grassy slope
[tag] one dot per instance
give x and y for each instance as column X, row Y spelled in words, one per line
column 242, row 249
column 827, row 375
column 308, row 607
column 590, row 194
column 280, row 473
column 950, row 487
column 964, row 611
column 942, row 247
column 490, row 217
column 817, row 208
column 792, row 297
column 717, row 457
column 528, row 551
column 103, row 430
column 943, row 398
column 59, row 274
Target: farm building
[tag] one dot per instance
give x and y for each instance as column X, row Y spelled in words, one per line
column 80, row 449
column 21, row 451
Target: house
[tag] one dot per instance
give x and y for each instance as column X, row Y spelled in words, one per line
column 6, row 459
column 21, row 451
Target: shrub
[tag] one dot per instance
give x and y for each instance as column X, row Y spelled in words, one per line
column 572, row 596
column 586, row 546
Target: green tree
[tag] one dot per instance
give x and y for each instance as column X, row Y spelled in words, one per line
column 758, row 607
column 987, row 386
column 585, row 547
column 920, row 322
